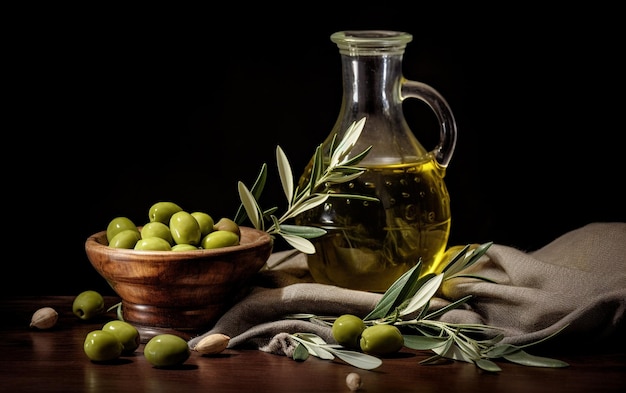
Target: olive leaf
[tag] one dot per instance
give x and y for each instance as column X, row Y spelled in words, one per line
column 464, row 259
column 257, row 190
column 302, row 231
column 401, row 290
column 419, row 342
column 423, row 295
column 300, row 353
column 345, row 145
column 526, row 359
column 487, row 365
column 299, row 243
column 253, row 211
column 444, row 309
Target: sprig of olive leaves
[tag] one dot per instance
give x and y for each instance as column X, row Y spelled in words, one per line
column 341, row 168
column 409, row 297
column 312, row 344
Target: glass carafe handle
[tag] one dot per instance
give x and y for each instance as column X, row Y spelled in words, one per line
column 447, row 125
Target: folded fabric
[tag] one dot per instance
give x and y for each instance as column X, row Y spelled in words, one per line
column 576, row 282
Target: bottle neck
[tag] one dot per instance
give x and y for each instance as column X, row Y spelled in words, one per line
column 371, row 83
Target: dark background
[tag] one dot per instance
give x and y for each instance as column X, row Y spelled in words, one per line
column 111, row 110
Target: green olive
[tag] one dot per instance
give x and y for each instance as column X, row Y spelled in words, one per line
column 157, row 229
column 153, row 244
column 163, row 211
column 185, row 229
column 117, row 225
column 347, row 329
column 166, row 350
column 125, row 239
column 219, row 239
column 226, row 224
column 205, row 221
column 381, row 340
column 88, row 304
column 184, row 247
column 102, row 346
column 126, row 333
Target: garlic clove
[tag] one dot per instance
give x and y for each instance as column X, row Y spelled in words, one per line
column 212, row 344
column 44, row 318
column 354, row 382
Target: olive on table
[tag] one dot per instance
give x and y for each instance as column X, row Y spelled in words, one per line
column 347, row 329
column 102, row 346
column 88, row 304
column 381, row 340
column 126, row 333
column 166, row 350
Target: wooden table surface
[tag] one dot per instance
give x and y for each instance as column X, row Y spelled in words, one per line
column 53, row 361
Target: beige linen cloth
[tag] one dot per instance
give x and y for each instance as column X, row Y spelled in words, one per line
column 577, row 281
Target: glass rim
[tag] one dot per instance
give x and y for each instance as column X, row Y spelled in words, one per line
column 371, row 41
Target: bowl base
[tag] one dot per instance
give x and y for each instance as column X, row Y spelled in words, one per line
column 147, row 332
column 152, row 320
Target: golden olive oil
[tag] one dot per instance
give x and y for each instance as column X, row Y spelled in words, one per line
column 368, row 244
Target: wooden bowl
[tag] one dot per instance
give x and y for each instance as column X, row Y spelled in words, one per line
column 181, row 291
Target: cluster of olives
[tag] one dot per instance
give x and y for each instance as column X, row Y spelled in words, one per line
column 170, row 228
column 351, row 332
column 111, row 341
column 118, row 338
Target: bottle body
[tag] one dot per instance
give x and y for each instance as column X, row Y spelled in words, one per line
column 368, row 245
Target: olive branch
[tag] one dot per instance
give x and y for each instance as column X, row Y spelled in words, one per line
column 406, row 305
column 340, row 169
